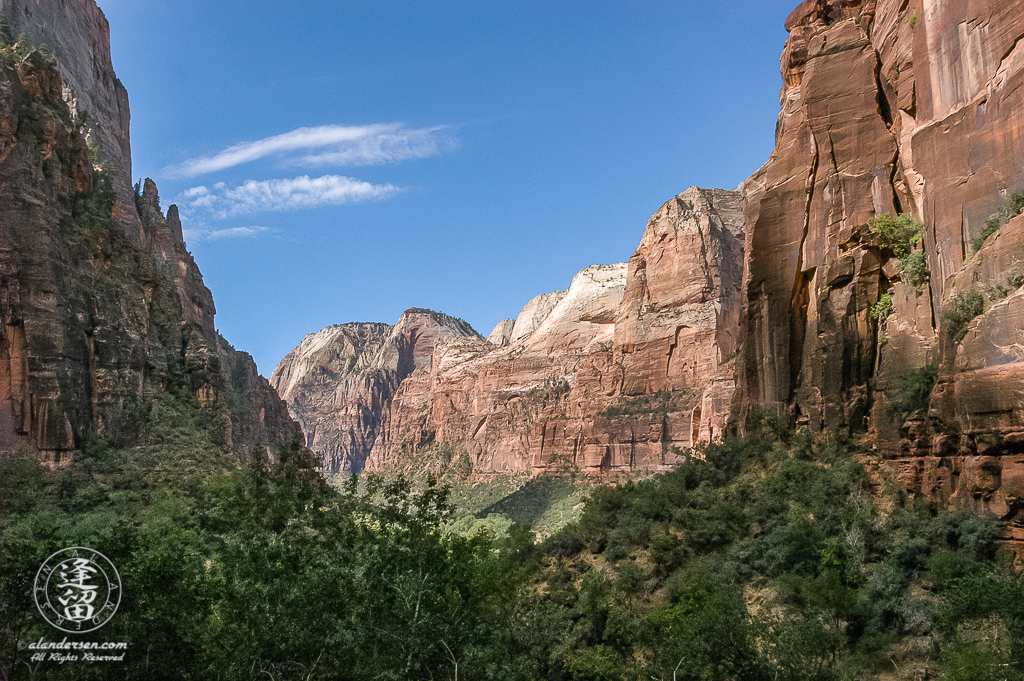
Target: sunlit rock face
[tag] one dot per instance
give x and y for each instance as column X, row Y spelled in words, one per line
column 339, row 382
column 501, row 335
column 618, row 373
column 891, row 106
column 103, row 309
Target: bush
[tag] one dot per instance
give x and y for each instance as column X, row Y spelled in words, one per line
column 911, row 393
column 1014, row 277
column 961, row 310
column 914, row 267
column 660, row 402
column 988, row 230
column 883, row 308
column 899, row 234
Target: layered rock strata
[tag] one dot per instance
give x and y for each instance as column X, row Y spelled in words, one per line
column 617, row 373
column 967, row 450
column 628, row 370
column 339, row 382
column 102, row 307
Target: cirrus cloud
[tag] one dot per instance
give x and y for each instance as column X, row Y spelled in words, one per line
column 253, row 196
column 196, row 234
column 339, row 145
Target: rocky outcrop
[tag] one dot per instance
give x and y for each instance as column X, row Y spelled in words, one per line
column 680, row 314
column 339, row 382
column 618, row 373
column 487, row 402
column 103, row 309
column 534, row 313
column 892, row 106
column 501, row 335
column 873, row 120
column 812, row 269
column 967, row 450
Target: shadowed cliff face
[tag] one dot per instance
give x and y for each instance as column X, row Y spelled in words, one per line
column 103, row 308
column 892, row 106
column 78, row 36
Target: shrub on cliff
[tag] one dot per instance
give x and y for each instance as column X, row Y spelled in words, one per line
column 900, row 234
column 1009, row 210
column 961, row 310
column 914, row 267
column 1014, row 277
column 911, row 393
column 882, row 309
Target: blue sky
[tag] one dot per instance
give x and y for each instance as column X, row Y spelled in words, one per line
column 343, row 161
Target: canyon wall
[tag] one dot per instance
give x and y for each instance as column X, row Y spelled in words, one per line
column 894, row 106
column 77, row 34
column 339, row 381
column 103, row 308
column 787, row 297
column 617, row 373
column 627, row 369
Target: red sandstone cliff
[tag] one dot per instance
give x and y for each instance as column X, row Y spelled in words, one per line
column 629, row 364
column 609, row 375
column 339, row 381
column 893, row 106
column 103, row 307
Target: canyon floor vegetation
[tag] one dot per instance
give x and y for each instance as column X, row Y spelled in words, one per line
column 773, row 556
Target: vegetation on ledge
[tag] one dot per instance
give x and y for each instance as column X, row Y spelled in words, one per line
column 900, row 234
column 1009, row 210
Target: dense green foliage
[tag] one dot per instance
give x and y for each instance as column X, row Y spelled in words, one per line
column 783, row 561
column 883, row 308
column 960, row 311
column 247, row 571
column 774, row 556
column 900, row 234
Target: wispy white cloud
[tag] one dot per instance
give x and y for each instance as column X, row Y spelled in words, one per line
column 339, row 145
column 233, row 232
column 197, row 234
column 222, row 201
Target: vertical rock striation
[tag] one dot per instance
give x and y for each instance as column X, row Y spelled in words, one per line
column 893, row 106
column 78, row 35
